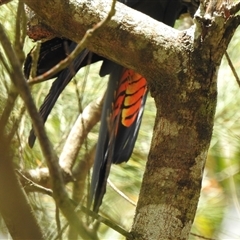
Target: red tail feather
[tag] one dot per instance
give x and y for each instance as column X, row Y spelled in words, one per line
column 128, row 100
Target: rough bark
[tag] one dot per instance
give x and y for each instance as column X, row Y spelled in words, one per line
column 128, row 32
column 181, row 73
column 182, row 133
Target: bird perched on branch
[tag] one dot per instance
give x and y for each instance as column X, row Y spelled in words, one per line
column 125, row 97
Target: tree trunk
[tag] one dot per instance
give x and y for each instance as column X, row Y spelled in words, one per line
column 186, row 105
column 181, row 137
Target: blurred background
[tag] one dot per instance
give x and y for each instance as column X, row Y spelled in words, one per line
column 218, row 214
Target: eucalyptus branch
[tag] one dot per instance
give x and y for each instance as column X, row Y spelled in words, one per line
column 79, row 48
column 83, row 125
column 89, row 117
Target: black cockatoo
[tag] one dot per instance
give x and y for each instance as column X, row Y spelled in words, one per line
column 125, row 97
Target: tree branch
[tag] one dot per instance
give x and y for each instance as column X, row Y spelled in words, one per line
column 79, row 48
column 83, row 125
column 117, row 39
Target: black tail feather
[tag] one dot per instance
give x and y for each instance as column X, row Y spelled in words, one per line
column 116, row 141
column 57, row 87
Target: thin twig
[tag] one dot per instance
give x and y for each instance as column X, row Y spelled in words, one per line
column 77, row 92
column 61, row 232
column 232, row 68
column 37, row 188
column 35, row 55
column 121, row 193
column 107, row 222
column 202, row 237
column 58, row 223
column 31, row 186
